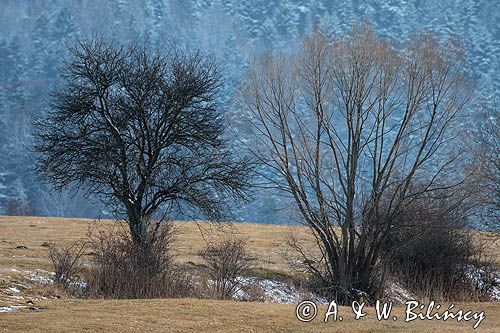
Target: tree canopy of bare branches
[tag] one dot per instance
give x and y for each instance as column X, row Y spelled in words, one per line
column 354, row 129
column 485, row 165
column 141, row 129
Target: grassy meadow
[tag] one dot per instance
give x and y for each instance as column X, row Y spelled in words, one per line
column 23, row 251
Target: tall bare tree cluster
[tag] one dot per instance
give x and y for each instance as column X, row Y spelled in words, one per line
column 141, row 129
column 355, row 129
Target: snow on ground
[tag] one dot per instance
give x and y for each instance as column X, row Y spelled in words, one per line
column 18, row 294
column 274, row 292
column 278, row 292
column 495, row 291
column 41, row 276
column 4, row 309
column 478, row 276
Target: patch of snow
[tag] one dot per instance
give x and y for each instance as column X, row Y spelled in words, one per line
column 360, row 293
column 21, row 285
column 15, row 307
column 78, row 285
column 478, row 276
column 14, row 290
column 45, row 277
column 16, row 297
column 274, row 292
column 475, row 274
column 396, row 293
column 41, row 276
column 4, row 309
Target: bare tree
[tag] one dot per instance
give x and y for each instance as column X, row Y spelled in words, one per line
column 485, row 165
column 142, row 130
column 347, row 126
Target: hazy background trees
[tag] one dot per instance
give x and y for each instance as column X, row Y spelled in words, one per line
column 33, row 38
column 356, row 130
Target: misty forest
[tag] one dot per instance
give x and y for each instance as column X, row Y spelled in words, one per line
column 35, row 36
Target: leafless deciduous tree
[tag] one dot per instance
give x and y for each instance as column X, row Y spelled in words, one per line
column 142, row 130
column 485, row 165
column 347, row 126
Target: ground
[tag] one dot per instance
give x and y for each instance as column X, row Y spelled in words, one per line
column 23, row 256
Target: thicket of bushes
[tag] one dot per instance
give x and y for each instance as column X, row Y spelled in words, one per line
column 110, row 265
column 431, row 252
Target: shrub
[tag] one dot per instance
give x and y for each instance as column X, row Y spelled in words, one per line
column 67, row 261
column 226, row 262
column 121, row 270
column 432, row 253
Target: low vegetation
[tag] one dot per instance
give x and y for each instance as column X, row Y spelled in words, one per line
column 226, row 263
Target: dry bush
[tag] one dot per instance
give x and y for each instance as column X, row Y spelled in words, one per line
column 429, row 250
column 226, row 262
column 122, row 270
column 434, row 256
column 313, row 276
column 68, row 263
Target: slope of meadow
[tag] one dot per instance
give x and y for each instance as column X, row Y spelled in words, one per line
column 23, row 253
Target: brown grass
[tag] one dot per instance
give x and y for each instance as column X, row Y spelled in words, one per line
column 266, row 242
column 189, row 315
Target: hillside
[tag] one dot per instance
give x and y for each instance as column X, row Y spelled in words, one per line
column 33, row 307
column 33, row 38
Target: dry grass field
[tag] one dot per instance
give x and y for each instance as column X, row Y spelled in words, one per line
column 23, row 251
column 265, row 242
column 188, row 315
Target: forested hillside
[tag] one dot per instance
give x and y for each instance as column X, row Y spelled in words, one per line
column 34, row 34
